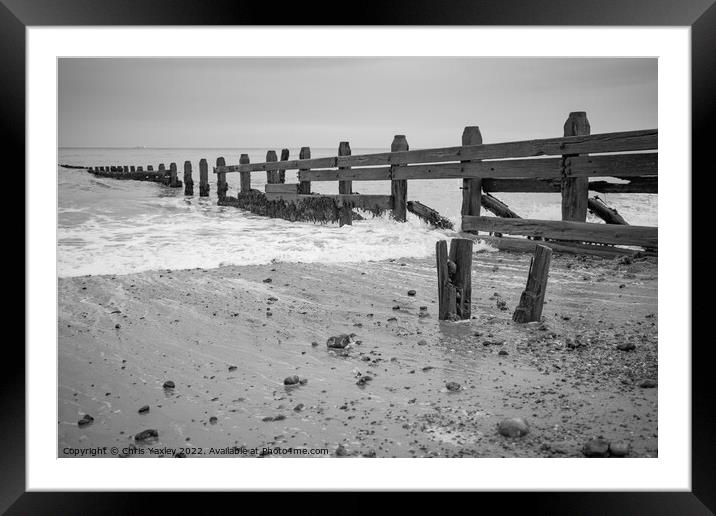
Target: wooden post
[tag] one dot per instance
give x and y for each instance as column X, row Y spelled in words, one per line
column 126, row 168
column 345, row 216
column 471, row 188
column 454, row 279
column 304, row 187
column 203, row 178
column 497, row 207
column 604, row 212
column 282, row 173
column 532, row 299
column 399, row 188
column 132, row 168
column 139, row 168
column 575, row 190
column 150, row 168
column 172, row 174
column 245, row 176
column 271, row 175
column 188, row 181
column 221, row 184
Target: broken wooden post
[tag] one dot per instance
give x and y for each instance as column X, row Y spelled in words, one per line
column 282, row 173
column 126, row 169
column 150, row 168
column 454, row 279
column 271, row 175
column 575, row 190
column 497, row 207
column 604, row 212
column 132, row 168
column 245, row 177
column 345, row 213
column 172, row 174
column 399, row 188
column 188, row 181
column 471, row 187
column 203, row 178
column 304, row 187
column 139, row 168
column 221, row 184
column 532, row 299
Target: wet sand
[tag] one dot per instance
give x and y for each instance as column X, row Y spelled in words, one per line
column 228, row 337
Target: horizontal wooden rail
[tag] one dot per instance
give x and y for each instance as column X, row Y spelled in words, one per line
column 634, row 185
column 597, row 143
column 562, row 230
column 383, row 202
column 624, row 165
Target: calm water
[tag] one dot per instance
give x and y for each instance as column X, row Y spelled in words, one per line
column 112, row 226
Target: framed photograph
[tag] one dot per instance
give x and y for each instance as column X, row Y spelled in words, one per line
column 419, row 252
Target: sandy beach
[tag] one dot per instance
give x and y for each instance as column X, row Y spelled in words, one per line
column 228, row 337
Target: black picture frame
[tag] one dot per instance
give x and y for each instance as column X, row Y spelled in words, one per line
column 700, row 15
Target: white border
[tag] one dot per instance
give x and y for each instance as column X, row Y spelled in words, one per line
column 670, row 471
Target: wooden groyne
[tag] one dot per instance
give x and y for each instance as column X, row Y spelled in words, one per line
column 573, row 165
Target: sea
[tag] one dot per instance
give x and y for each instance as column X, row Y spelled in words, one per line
column 109, row 226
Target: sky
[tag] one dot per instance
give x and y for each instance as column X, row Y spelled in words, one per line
column 318, row 102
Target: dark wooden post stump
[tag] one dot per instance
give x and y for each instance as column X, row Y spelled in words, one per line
column 304, row 187
column 188, row 181
column 150, row 168
column 532, row 299
column 271, row 175
column 282, row 173
column 203, row 178
column 173, row 175
column 454, row 279
column 345, row 213
column 575, row 190
column 399, row 188
column 245, row 176
column 221, row 185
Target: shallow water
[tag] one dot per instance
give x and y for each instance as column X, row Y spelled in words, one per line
column 112, row 226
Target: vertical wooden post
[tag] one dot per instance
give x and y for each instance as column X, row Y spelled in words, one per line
column 271, row 175
column 126, row 168
column 575, row 190
column 132, row 168
column 471, row 188
column 188, row 181
column 203, row 178
column 150, row 168
column 304, row 187
column 172, row 174
column 221, row 184
column 139, row 168
column 532, row 299
column 454, row 279
column 345, row 216
column 245, row 177
column 282, row 173
column 399, row 188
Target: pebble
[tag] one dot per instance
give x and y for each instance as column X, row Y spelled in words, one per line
column 145, row 435
column 363, row 380
column 422, row 342
column 291, row 380
column 411, row 292
column 213, row 420
column 596, row 448
column 299, row 407
column 626, row 346
column 513, row 427
column 144, row 409
column 86, row 420
column 452, row 386
column 619, row 449
column 339, row 341
column 502, row 352
column 647, row 384
column 232, row 368
column 169, row 384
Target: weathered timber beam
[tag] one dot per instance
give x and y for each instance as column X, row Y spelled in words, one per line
column 597, row 143
column 566, row 230
column 497, row 207
column 383, row 202
column 604, row 212
column 523, row 245
column 429, row 215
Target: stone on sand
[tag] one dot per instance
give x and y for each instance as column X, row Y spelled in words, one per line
column 513, row 427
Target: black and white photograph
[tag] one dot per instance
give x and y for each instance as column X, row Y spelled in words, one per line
column 357, row 257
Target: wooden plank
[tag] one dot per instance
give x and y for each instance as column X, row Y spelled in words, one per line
column 221, row 185
column 345, row 215
column 281, row 188
column 349, row 174
column 244, row 177
column 271, row 175
column 282, row 172
column 441, row 258
column 304, row 186
column 188, row 180
column 471, row 188
column 566, row 230
column 532, row 299
column 383, row 202
column 575, row 190
column 429, row 215
column 621, row 165
column 523, row 245
column 497, row 207
column 625, row 141
column 635, row 185
column 521, row 185
column 461, row 255
column 604, row 212
column 203, row 178
column 399, row 188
